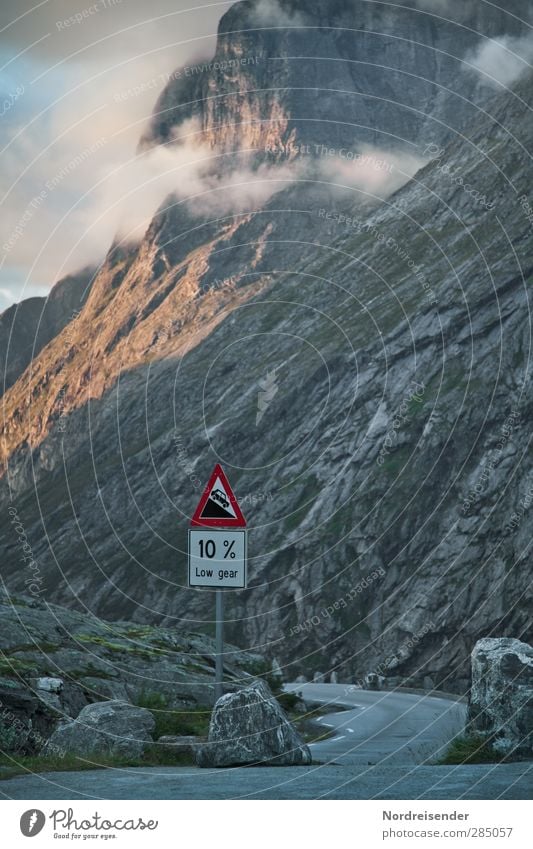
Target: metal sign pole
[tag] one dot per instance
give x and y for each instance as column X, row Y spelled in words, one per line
column 219, row 647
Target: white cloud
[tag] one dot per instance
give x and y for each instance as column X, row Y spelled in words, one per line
column 189, row 170
column 371, row 169
column 271, row 13
column 503, row 60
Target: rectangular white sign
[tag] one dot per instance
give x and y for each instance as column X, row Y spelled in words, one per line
column 217, row 559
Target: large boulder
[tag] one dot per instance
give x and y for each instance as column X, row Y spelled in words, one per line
column 501, row 697
column 250, row 727
column 111, row 728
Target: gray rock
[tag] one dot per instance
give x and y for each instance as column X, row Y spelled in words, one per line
column 373, row 681
column 113, row 727
column 277, row 673
column 501, row 698
column 301, row 679
column 25, row 720
column 48, row 685
column 95, row 661
column 250, row 727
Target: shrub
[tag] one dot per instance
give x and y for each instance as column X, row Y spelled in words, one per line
column 13, row 738
column 471, row 750
column 173, row 721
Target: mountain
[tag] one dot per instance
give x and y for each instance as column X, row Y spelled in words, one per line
column 356, row 359
column 27, row 327
column 333, row 73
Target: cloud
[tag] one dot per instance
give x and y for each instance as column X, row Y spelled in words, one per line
column 501, row 61
column 189, row 170
column 88, row 88
column 271, row 13
column 370, row 169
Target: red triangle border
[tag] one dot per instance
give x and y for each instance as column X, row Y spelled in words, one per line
column 238, row 522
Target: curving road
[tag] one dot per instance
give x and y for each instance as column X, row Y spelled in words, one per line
column 381, row 742
column 389, row 727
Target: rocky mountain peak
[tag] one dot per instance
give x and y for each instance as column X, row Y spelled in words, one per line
column 287, row 73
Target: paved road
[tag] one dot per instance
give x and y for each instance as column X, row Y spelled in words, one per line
column 390, row 727
column 504, row 781
column 392, row 731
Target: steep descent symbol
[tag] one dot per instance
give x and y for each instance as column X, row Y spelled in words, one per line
column 218, row 505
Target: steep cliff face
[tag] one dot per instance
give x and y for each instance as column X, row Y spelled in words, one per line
column 27, row 327
column 335, row 74
column 385, row 482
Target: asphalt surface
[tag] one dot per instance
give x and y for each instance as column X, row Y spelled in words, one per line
column 389, row 727
column 378, row 750
column 501, row 781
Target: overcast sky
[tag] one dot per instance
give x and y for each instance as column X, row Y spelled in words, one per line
column 66, row 89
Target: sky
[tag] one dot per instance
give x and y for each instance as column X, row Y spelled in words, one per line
column 78, row 83
column 75, row 96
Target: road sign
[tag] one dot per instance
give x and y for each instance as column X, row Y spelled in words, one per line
column 217, row 559
column 218, row 506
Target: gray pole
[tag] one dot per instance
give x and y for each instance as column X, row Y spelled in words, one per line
column 219, row 648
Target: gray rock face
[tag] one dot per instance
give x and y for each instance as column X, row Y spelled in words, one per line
column 270, row 103
column 249, row 727
column 109, row 661
column 114, row 728
column 501, row 699
column 26, row 721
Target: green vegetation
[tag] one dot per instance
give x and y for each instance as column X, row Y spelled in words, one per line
column 396, row 461
column 306, row 496
column 89, row 671
column 471, row 750
column 37, row 646
column 288, row 701
column 172, row 721
column 14, row 665
column 146, row 652
column 13, row 738
column 153, row 756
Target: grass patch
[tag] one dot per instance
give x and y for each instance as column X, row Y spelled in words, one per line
column 471, row 750
column 288, row 701
column 37, row 646
column 13, row 665
column 172, row 721
column 153, row 756
column 144, row 652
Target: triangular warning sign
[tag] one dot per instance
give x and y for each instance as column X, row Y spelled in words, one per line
column 218, row 507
